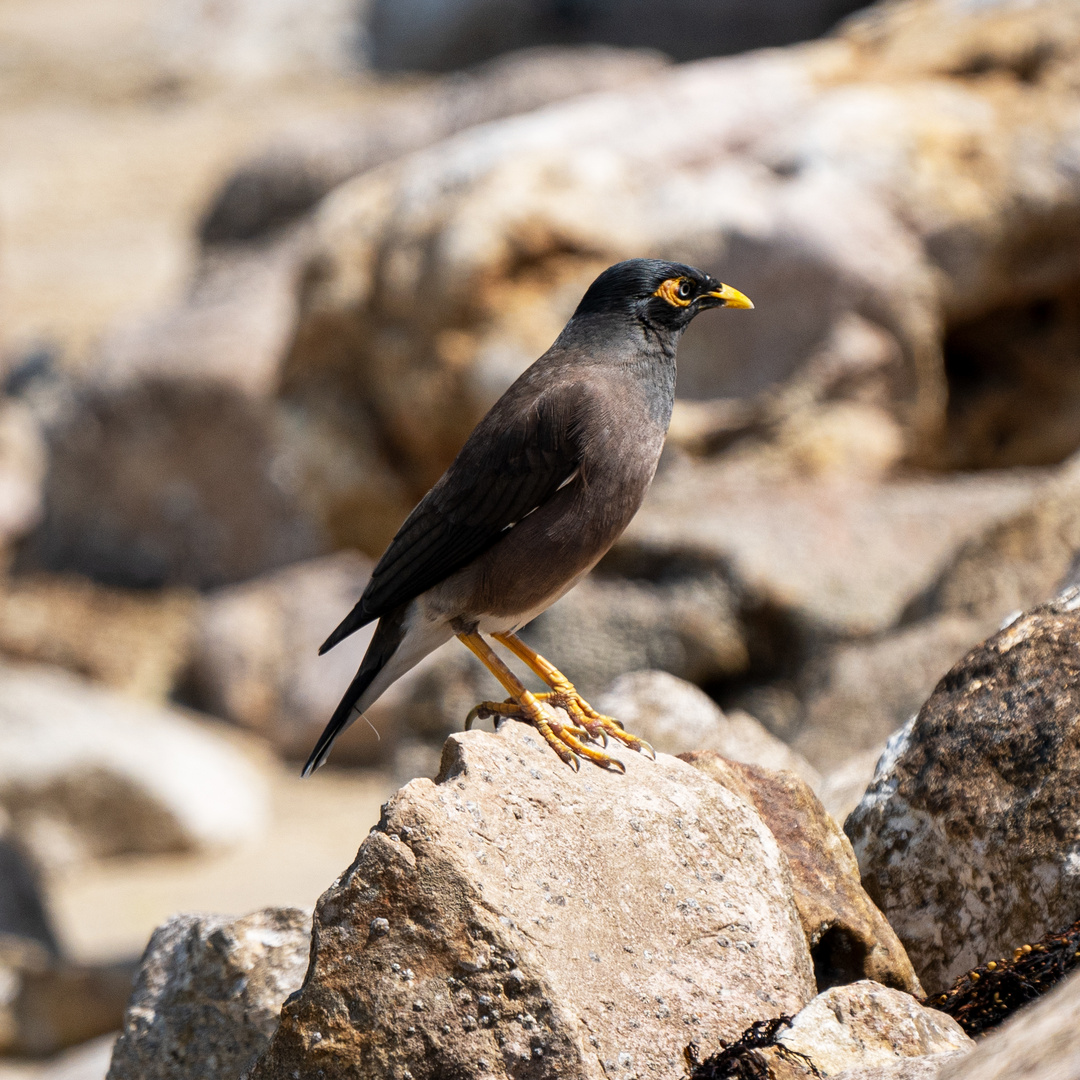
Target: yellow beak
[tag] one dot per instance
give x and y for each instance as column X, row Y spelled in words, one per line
column 731, row 297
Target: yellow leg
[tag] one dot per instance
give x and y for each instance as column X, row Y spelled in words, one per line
column 562, row 738
column 565, row 696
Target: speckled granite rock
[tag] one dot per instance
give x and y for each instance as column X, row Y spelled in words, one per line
column 968, row 838
column 208, row 994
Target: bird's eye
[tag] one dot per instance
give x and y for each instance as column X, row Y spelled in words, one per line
column 676, row 291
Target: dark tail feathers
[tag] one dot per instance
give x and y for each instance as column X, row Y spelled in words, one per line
column 388, row 635
column 349, row 625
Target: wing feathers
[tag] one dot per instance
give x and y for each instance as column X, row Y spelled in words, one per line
column 520, row 454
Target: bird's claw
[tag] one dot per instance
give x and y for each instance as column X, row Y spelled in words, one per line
column 567, row 740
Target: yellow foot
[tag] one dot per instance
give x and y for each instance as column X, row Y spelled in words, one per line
column 564, row 739
column 598, row 726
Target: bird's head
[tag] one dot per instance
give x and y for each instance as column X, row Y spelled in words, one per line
column 664, row 295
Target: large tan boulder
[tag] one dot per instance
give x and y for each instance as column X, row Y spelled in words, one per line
column 832, row 182
column 967, row 838
column 290, row 176
column 515, row 915
column 89, row 773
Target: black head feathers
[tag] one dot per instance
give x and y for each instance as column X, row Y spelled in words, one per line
column 663, row 294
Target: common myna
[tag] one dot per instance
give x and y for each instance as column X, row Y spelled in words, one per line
column 541, row 489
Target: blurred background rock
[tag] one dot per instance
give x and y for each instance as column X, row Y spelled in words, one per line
column 264, row 263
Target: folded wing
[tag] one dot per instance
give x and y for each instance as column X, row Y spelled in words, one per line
column 520, row 454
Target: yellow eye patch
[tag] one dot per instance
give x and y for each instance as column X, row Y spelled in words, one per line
column 673, row 289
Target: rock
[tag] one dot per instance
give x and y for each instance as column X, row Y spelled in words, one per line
column 541, row 203
column 856, row 694
column 88, row 773
column 736, row 165
column 137, row 494
column 135, row 642
column 450, row 33
column 848, row 937
column 966, row 838
column 674, row 615
column 60, row 1005
column 23, row 912
column 180, row 392
column 1041, row 1042
column 245, row 44
column 815, row 560
column 256, row 663
column 517, row 915
column 294, row 173
column 676, row 718
column 1017, row 562
column 912, row 1068
column 865, row 1025
column 208, row 994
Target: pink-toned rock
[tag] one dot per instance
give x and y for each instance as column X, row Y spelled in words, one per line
column 848, row 936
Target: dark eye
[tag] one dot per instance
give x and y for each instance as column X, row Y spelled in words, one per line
column 685, row 289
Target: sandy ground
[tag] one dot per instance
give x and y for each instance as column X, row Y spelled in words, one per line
column 107, row 910
column 110, row 151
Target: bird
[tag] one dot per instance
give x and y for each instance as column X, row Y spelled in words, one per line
column 541, row 489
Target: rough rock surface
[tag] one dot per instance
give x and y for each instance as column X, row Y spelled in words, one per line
column 292, row 175
column 865, row 1024
column 208, row 994
column 1042, row 1042
column 849, row 938
column 519, row 919
column 676, row 718
column 967, row 839
column 736, row 165
column 85, row 772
